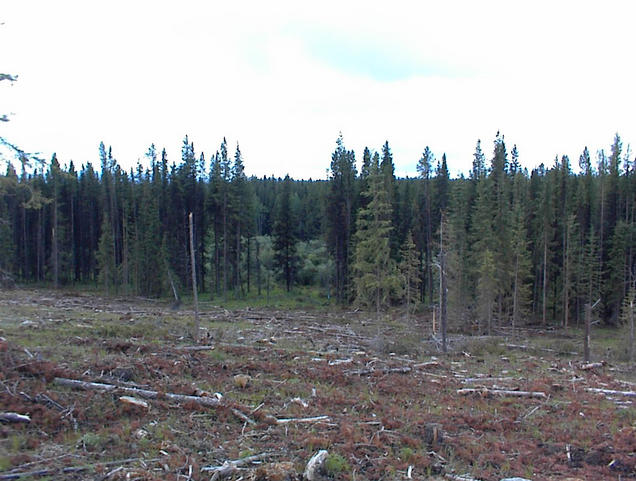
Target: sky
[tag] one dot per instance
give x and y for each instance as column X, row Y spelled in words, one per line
column 284, row 78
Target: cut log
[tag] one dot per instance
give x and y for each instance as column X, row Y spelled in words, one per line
column 502, row 392
column 14, row 418
column 591, row 365
column 314, row 419
column 387, row 370
column 228, row 467
column 96, row 386
column 314, row 465
column 471, row 380
column 423, row 365
column 133, row 401
column 611, row 392
column 195, row 348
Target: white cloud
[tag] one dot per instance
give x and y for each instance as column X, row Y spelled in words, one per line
column 552, row 76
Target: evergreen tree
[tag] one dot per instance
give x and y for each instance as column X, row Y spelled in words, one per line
column 375, row 272
column 424, row 224
column 106, row 257
column 285, row 258
column 409, row 268
column 340, row 215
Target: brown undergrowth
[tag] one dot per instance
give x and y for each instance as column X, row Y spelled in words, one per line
column 387, row 414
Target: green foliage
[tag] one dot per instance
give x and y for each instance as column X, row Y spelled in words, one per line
column 375, row 272
column 556, row 239
column 106, row 257
column 285, row 256
column 335, row 465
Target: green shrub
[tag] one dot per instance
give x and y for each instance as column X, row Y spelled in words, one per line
column 335, row 465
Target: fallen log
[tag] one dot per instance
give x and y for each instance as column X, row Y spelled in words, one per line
column 96, row 386
column 228, row 467
column 502, row 392
column 591, row 365
column 471, row 380
column 314, row 419
column 133, row 401
column 314, row 465
column 195, row 348
column 611, row 392
column 536, row 348
column 423, row 365
column 388, row 370
column 14, row 418
column 70, row 469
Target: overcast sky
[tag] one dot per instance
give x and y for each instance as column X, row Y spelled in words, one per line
column 284, row 78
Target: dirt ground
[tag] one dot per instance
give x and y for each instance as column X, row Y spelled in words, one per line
column 270, row 388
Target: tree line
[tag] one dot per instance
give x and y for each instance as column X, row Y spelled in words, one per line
column 514, row 246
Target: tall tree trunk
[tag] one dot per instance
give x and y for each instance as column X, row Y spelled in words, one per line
column 545, row 275
column 54, row 247
column 197, row 326
column 443, row 294
column 515, row 294
column 225, row 266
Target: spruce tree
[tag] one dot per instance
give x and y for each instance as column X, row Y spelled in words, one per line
column 340, row 214
column 285, row 258
column 409, row 268
column 375, row 272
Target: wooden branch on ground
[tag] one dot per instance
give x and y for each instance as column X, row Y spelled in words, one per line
column 591, row 365
column 242, row 416
column 314, row 419
column 502, row 392
column 535, row 348
column 228, row 467
column 195, row 348
column 14, row 418
column 68, row 470
column 423, row 365
column 460, row 477
column 314, row 465
column 388, row 370
column 470, row 380
column 611, row 392
column 95, row 386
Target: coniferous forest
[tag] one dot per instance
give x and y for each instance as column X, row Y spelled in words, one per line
column 516, row 246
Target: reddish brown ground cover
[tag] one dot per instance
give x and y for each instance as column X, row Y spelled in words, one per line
column 388, row 414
